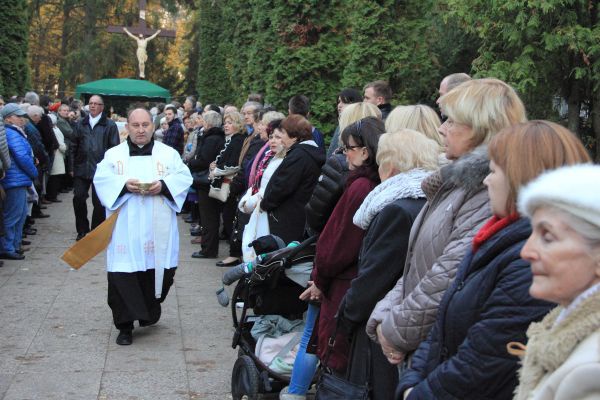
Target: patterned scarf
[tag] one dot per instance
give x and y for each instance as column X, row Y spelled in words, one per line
column 262, row 165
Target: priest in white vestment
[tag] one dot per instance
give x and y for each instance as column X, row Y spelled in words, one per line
column 146, row 183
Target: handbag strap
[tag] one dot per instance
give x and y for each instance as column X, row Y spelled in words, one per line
column 331, row 344
column 289, row 345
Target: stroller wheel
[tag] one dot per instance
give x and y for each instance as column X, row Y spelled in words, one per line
column 244, row 379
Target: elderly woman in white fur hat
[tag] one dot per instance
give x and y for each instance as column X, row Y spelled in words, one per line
column 562, row 358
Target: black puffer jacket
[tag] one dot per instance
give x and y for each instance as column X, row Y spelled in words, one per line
column 290, row 189
column 328, row 191
column 89, row 145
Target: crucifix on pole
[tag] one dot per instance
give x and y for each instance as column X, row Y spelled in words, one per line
column 142, row 35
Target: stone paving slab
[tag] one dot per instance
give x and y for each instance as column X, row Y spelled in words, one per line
column 58, row 340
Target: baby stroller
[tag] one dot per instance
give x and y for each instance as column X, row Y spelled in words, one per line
column 270, row 289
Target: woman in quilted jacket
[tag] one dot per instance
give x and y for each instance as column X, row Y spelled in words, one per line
column 457, row 206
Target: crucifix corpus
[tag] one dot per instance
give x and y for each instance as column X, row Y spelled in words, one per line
column 144, row 35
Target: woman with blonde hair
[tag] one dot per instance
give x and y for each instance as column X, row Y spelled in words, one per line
column 357, row 111
column 490, row 295
column 457, row 205
column 419, row 117
column 405, row 158
column 233, row 126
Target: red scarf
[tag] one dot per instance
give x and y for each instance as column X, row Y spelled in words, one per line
column 493, row 226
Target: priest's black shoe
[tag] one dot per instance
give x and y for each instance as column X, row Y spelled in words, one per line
column 199, row 254
column 11, row 256
column 125, row 338
column 80, row 236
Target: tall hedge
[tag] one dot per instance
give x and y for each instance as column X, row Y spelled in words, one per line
column 316, row 48
column 14, row 42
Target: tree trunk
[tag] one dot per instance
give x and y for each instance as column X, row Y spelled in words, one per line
column 89, row 36
column 596, row 123
column 574, row 102
column 64, row 41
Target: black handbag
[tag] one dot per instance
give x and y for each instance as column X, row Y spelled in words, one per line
column 332, row 387
column 200, row 179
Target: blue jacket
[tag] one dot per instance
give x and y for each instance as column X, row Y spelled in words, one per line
column 22, row 171
column 487, row 306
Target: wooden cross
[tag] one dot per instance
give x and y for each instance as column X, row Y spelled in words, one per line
column 140, row 28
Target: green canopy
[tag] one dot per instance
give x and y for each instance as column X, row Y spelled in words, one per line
column 131, row 88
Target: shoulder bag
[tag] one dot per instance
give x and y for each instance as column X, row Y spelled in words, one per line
column 332, row 387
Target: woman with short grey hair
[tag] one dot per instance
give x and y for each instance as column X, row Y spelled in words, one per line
column 208, row 148
column 562, row 357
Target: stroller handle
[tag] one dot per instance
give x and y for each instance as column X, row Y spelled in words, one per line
column 296, row 250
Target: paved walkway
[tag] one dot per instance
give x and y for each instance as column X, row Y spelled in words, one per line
column 57, row 340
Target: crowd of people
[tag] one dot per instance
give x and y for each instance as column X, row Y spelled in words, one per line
column 457, row 252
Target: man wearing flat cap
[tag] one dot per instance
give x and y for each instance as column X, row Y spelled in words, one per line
column 17, row 179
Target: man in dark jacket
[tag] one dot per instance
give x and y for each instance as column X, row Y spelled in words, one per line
column 93, row 135
column 173, row 137
column 380, row 94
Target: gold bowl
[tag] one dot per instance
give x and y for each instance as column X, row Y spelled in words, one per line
column 144, row 187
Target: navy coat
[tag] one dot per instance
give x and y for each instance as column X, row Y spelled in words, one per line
column 487, row 306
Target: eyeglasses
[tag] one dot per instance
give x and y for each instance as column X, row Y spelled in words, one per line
column 347, row 148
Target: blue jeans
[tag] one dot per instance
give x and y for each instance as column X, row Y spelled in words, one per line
column 305, row 364
column 15, row 212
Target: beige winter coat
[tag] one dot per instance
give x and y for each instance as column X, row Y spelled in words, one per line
column 457, row 206
column 58, row 166
column 563, row 362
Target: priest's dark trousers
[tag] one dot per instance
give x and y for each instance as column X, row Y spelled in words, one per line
column 131, row 297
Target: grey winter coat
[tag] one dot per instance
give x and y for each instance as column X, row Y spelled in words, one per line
column 457, row 206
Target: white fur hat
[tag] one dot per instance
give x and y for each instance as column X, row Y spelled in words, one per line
column 573, row 189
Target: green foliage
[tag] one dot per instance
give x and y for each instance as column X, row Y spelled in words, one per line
column 391, row 40
column 14, row 42
column 544, row 48
column 212, row 79
column 316, row 48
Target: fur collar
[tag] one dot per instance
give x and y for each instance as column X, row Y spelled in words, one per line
column 549, row 346
column 401, row 186
column 468, row 172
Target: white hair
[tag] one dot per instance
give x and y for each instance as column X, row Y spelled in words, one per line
column 213, row 119
column 32, row 98
column 35, row 110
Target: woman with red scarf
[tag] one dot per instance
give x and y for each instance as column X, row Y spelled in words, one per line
column 489, row 305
